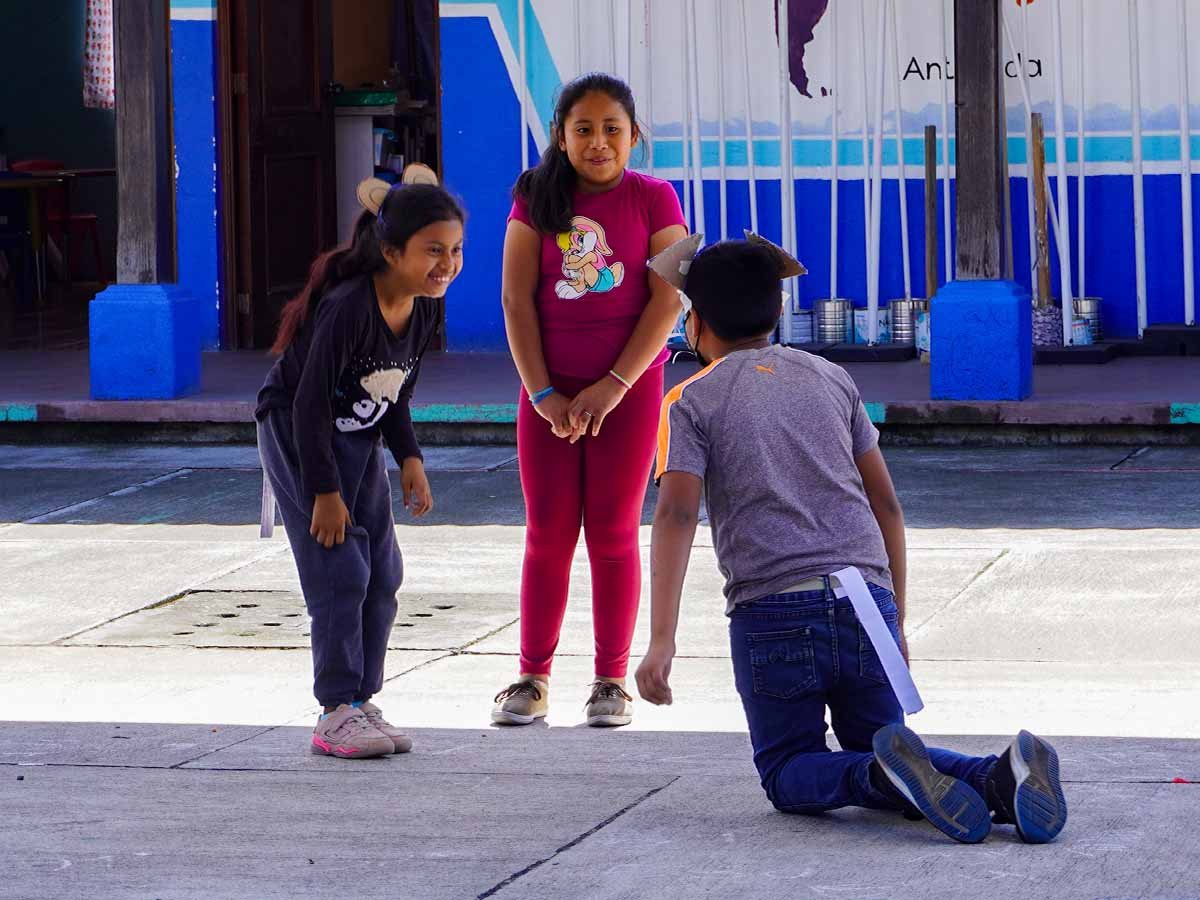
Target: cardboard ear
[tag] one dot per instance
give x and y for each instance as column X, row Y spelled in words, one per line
column 672, row 264
column 370, row 193
column 789, row 266
column 418, row 173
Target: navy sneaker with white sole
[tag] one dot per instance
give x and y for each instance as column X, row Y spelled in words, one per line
column 952, row 806
column 1024, row 789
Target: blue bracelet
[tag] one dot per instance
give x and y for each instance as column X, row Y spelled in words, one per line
column 541, row 395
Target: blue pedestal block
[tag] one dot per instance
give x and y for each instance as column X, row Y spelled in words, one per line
column 145, row 342
column 981, row 335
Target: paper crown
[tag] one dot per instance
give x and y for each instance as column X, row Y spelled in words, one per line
column 372, row 191
column 673, row 263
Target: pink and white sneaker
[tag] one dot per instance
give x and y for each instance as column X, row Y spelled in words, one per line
column 346, row 733
column 400, row 741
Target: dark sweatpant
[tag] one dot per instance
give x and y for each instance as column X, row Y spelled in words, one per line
column 350, row 589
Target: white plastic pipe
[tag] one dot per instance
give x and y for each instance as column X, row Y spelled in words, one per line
column 1031, row 214
column 948, row 239
column 833, row 155
column 578, row 37
column 896, row 73
column 787, row 189
column 720, row 66
column 749, row 107
column 1060, row 167
column 1139, row 200
column 866, row 140
column 1185, row 170
column 629, row 42
column 692, row 50
column 1045, row 176
column 523, row 90
column 877, row 177
column 648, row 35
column 612, row 42
column 685, row 147
column 1081, row 220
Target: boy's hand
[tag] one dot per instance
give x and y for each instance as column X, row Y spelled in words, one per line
column 418, row 496
column 654, row 673
column 591, row 406
column 554, row 409
column 329, row 519
column 904, row 646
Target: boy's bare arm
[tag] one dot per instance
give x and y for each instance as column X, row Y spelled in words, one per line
column 886, row 507
column 675, row 520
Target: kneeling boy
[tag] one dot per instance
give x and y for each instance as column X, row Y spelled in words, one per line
column 796, row 489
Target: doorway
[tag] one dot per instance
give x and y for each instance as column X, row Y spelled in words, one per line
column 289, row 71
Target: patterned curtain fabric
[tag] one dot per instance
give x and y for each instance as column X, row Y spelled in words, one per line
column 99, row 82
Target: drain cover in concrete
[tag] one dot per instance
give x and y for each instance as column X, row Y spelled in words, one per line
column 279, row 619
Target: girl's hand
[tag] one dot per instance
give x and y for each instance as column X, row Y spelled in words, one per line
column 329, row 519
column 554, row 410
column 418, row 497
column 589, row 409
column 653, row 675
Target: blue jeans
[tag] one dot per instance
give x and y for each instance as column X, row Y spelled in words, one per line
column 793, row 656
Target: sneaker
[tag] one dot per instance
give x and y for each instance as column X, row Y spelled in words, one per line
column 952, row 806
column 609, row 705
column 346, row 733
column 401, row 743
column 1024, row 790
column 521, row 702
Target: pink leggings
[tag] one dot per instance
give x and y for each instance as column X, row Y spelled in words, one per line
column 601, row 483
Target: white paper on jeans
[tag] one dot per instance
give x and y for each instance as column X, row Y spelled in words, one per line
column 852, row 585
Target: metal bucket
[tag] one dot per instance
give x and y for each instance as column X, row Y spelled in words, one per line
column 1089, row 308
column 904, row 319
column 833, row 320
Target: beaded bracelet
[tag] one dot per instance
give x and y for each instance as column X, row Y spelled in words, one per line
column 541, row 395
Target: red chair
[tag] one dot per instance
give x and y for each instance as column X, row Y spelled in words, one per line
column 60, row 221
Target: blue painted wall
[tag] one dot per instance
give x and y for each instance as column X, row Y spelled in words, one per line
column 479, row 111
column 193, row 53
column 480, row 119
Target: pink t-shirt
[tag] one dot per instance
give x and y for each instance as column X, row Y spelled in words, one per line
column 592, row 282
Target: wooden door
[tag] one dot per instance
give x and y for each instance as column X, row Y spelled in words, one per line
column 284, row 157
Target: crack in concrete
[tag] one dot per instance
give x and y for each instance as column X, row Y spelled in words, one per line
column 1134, row 455
column 179, row 595
column 503, row 773
column 516, row 876
column 92, row 501
column 970, row 584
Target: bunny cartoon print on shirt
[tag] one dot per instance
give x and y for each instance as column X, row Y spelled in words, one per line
column 585, row 267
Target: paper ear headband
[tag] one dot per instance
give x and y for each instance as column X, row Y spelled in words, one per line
column 372, row 191
column 673, row 263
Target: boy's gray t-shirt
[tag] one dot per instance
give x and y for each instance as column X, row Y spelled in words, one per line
column 774, row 433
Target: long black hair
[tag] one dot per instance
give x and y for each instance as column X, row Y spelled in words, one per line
column 548, row 188
column 405, row 211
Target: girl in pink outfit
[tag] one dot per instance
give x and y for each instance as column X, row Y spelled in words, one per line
column 587, row 324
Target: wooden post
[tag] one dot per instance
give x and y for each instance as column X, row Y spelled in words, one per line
column 1039, row 211
column 931, row 211
column 145, row 188
column 980, row 246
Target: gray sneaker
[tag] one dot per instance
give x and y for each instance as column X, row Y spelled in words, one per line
column 401, row 743
column 346, row 733
column 521, row 702
column 609, row 705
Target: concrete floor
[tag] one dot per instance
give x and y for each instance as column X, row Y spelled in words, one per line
column 156, row 687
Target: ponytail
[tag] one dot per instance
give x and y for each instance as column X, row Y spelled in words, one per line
column 405, row 210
